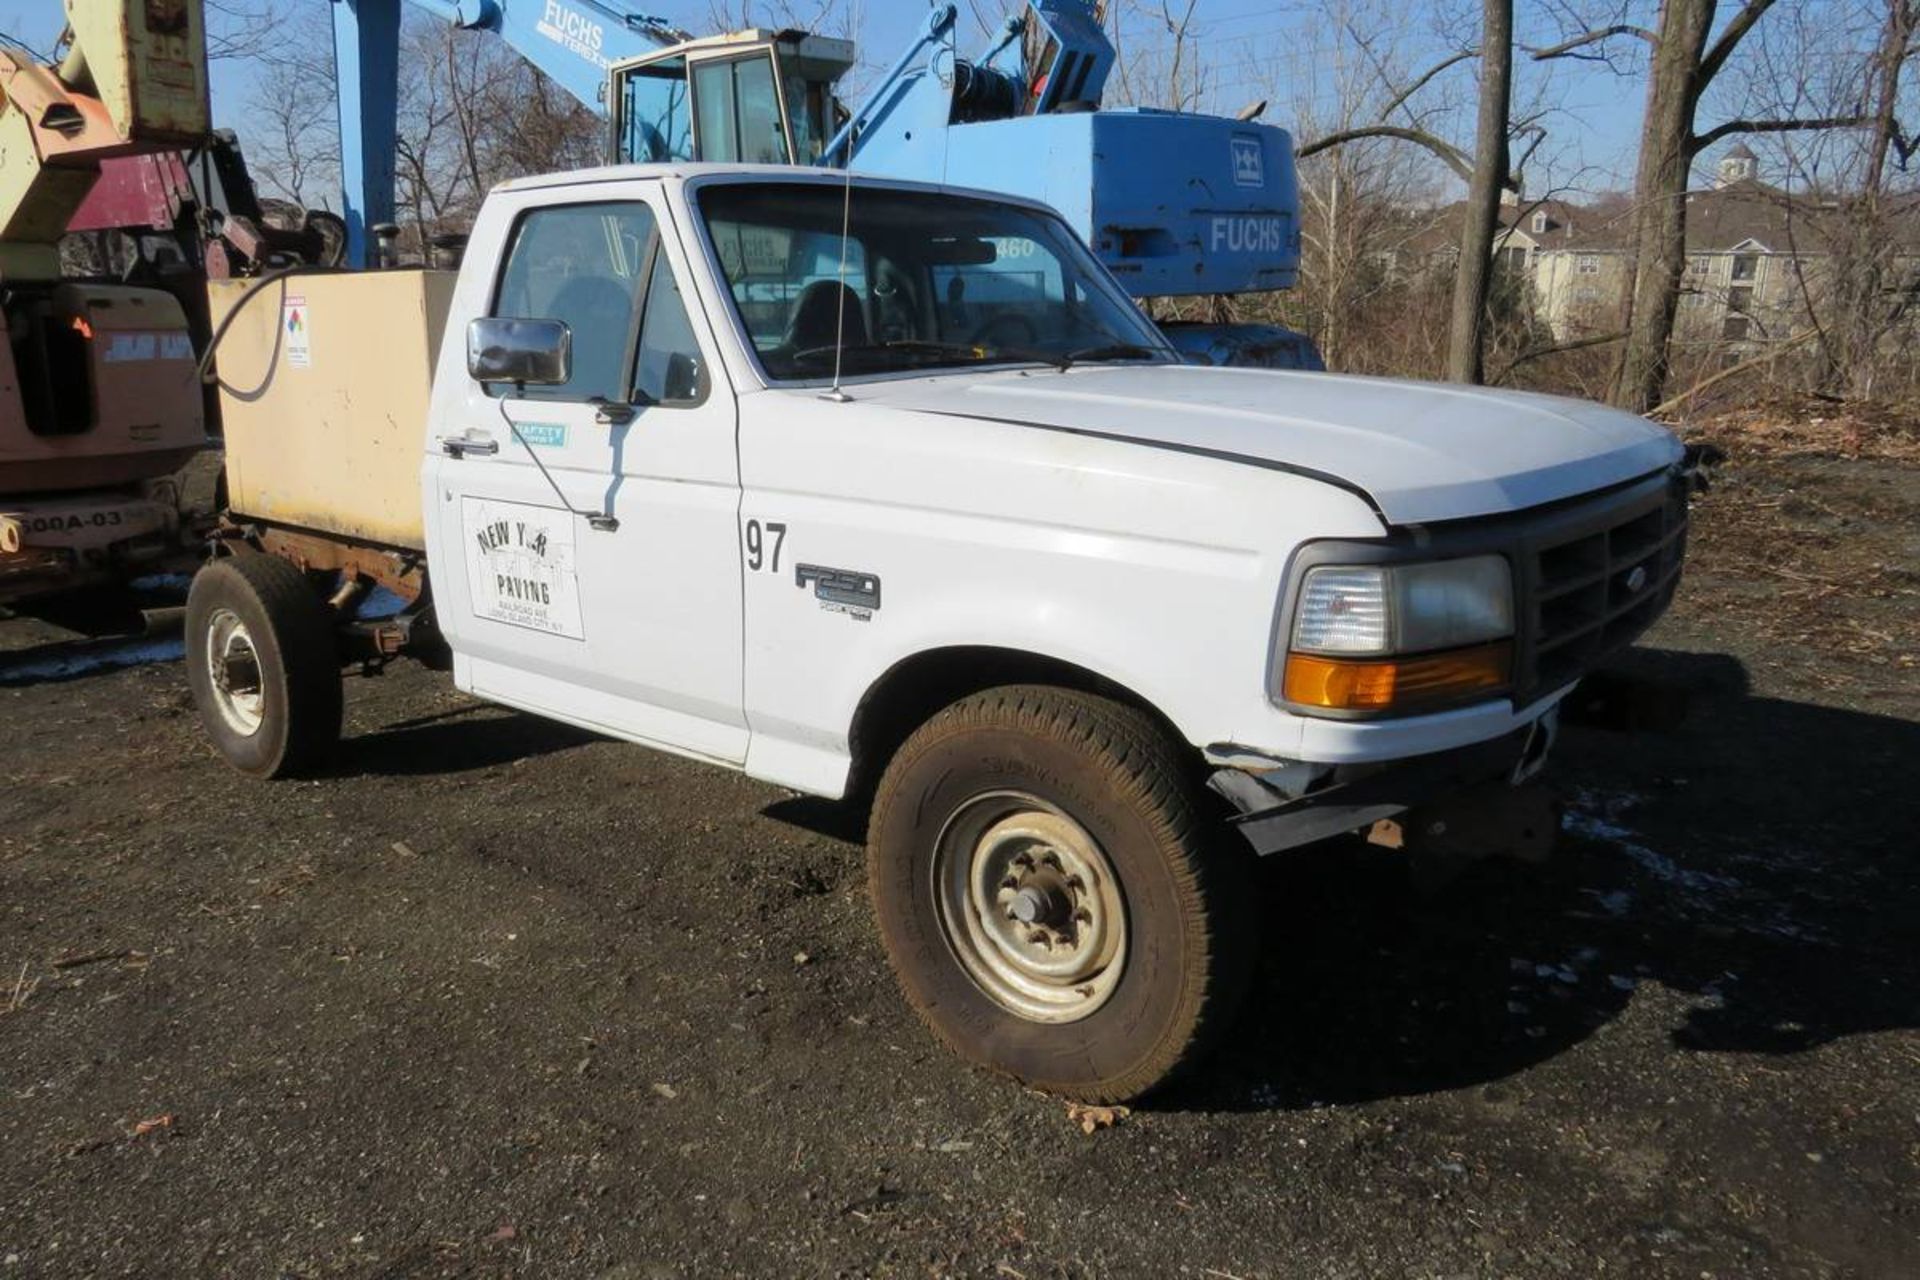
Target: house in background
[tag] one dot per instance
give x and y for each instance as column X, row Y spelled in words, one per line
column 1755, row 255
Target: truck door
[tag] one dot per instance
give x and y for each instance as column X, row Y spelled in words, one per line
column 623, row 613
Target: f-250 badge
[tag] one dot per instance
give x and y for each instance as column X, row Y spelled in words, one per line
column 847, row 591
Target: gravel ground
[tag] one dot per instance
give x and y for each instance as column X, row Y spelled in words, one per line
column 500, row 997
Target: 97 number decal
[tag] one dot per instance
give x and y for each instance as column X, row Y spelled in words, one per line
column 764, row 543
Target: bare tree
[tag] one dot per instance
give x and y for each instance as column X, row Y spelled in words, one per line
column 1466, row 327
column 1486, row 172
column 292, row 133
column 1682, row 67
column 841, row 18
column 1159, row 61
column 471, row 113
column 1861, row 223
column 1361, row 192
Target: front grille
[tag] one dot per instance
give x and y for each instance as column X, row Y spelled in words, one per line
column 1593, row 578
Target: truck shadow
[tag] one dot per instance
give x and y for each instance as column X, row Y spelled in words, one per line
column 1740, row 869
column 466, row 738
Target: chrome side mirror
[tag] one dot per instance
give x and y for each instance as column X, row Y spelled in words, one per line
column 534, row 353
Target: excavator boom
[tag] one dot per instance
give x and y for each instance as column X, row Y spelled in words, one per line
column 573, row 42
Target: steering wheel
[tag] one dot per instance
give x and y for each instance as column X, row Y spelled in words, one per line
column 1006, row 330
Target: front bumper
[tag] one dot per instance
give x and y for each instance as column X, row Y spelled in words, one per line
column 1284, row 808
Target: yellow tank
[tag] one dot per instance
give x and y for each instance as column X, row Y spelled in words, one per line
column 324, row 387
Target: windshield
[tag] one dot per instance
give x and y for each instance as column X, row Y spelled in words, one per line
column 929, row 281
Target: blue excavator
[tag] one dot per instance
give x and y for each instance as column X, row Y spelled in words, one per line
column 1175, row 203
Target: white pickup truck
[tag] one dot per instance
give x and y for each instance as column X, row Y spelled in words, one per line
column 876, row 490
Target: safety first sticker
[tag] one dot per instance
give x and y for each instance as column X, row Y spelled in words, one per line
column 296, row 331
column 520, row 566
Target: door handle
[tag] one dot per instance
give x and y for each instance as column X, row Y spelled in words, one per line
column 461, row 446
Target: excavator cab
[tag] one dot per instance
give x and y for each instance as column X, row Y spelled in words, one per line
column 751, row 97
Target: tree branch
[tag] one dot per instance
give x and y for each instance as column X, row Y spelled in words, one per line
column 1567, row 47
column 1674, row 402
column 1421, row 81
column 1578, row 344
column 1539, row 135
column 1716, row 57
column 1450, row 155
column 1701, row 141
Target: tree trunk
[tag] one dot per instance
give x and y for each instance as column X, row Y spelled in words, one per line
column 1862, row 260
column 1466, row 328
column 1660, row 201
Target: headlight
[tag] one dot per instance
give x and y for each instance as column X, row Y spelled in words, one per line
column 1391, row 637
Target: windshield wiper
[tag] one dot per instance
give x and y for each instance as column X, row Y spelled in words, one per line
column 1034, row 354
column 902, row 346
column 973, row 353
column 1108, row 351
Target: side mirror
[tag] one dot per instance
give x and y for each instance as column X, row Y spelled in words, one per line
column 535, row 353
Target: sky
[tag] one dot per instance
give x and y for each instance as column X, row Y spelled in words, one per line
column 1247, row 49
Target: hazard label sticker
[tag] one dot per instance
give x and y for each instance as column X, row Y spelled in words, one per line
column 296, row 331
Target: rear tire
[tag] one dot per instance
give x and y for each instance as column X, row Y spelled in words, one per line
column 1049, row 891
column 263, row 665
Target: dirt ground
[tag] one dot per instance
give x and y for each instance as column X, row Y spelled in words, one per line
column 499, row 997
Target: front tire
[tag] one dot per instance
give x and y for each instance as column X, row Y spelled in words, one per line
column 263, row 665
column 1049, row 892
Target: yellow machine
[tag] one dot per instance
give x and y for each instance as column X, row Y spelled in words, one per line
column 100, row 401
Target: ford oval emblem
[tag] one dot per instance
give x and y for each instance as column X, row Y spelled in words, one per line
column 1637, row 579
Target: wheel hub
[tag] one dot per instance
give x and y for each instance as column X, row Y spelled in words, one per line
column 233, row 672
column 1031, row 907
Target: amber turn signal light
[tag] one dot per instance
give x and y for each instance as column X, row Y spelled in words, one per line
column 1397, row 684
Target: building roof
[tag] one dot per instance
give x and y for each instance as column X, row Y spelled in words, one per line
column 1746, row 216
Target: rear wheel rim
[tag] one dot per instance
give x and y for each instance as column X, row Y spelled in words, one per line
column 1030, row 907
column 233, row 673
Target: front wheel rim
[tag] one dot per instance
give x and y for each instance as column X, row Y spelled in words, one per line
column 233, row 673
column 1031, row 907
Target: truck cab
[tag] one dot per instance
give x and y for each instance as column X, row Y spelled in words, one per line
column 888, row 493
column 747, row 97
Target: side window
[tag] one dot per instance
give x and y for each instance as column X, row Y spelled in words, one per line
column 667, row 369
column 739, row 111
column 713, row 100
column 581, row 264
column 659, row 126
column 761, row 139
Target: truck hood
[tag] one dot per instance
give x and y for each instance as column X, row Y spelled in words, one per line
column 1420, row 452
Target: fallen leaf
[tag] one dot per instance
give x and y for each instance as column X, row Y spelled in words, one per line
column 146, row 1127
column 1091, row 1118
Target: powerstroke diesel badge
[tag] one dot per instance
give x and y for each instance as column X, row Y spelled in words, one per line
column 848, row 591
